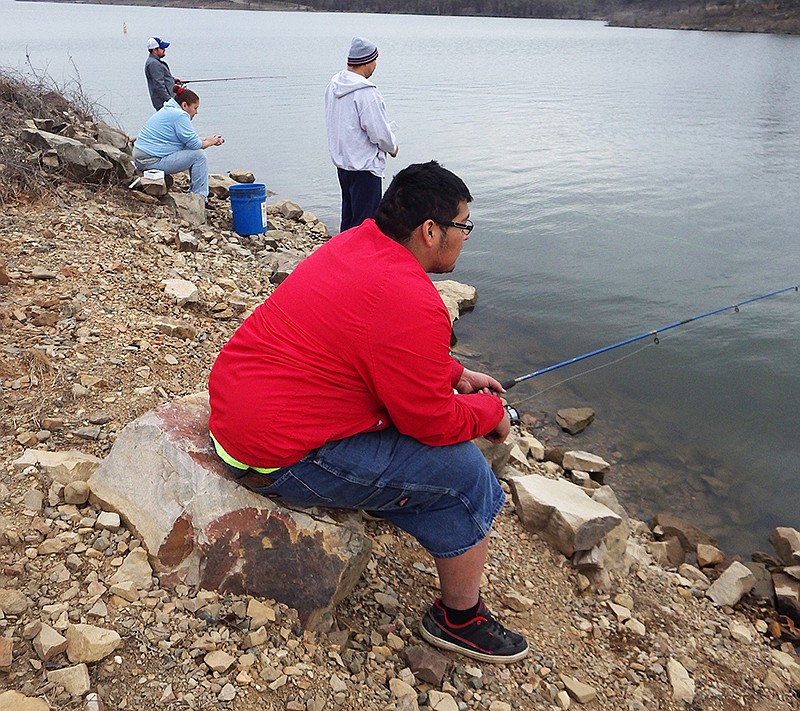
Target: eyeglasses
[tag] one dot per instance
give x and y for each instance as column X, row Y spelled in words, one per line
column 465, row 227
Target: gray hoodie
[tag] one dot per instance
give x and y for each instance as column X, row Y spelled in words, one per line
column 359, row 135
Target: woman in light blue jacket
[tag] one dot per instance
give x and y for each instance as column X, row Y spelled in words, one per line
column 169, row 142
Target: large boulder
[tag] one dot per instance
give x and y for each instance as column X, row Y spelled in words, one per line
column 787, row 544
column 564, row 515
column 123, row 165
column 458, row 298
column 76, row 159
column 202, row 528
column 112, row 136
column 730, row 587
column 190, row 207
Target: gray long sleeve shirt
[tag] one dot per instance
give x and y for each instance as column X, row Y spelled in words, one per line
column 159, row 81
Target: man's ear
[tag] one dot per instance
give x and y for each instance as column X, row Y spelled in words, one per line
column 426, row 232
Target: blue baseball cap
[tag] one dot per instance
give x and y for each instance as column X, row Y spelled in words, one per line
column 156, row 43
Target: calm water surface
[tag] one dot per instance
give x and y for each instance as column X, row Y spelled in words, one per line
column 623, row 180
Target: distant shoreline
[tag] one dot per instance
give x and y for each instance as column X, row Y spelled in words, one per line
column 776, row 17
column 191, row 4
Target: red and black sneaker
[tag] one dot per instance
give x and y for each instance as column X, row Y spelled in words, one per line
column 482, row 638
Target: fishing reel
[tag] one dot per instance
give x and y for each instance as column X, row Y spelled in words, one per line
column 513, row 414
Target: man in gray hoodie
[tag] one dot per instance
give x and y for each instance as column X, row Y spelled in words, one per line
column 359, row 135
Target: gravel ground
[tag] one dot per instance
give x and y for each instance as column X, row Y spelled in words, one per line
column 84, row 350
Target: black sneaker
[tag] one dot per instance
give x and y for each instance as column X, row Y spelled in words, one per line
column 482, row 638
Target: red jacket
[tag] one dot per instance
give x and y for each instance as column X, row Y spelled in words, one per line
column 355, row 339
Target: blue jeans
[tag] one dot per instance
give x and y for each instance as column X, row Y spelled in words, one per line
column 193, row 161
column 445, row 497
column 361, row 193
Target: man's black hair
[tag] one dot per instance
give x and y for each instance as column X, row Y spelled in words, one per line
column 422, row 191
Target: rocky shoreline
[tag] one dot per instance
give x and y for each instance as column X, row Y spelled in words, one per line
column 115, row 302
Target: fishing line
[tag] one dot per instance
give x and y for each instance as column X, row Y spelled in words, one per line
column 599, row 367
column 582, row 373
column 647, row 334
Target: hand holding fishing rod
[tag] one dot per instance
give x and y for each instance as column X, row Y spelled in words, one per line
column 654, row 333
column 474, row 382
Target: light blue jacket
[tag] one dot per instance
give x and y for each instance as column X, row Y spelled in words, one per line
column 167, row 131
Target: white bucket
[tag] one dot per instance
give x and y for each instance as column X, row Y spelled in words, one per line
column 154, row 174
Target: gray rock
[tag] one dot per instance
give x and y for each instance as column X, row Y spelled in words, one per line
column 175, row 328
column 687, row 533
column 667, row 553
column 219, row 185
column 786, row 542
column 582, row 693
column 112, row 136
column 787, row 593
column 682, row 683
column 79, row 161
column 283, row 264
column 426, row 664
column 290, row 210
column 190, row 207
column 13, row 602
column 91, row 432
column 49, row 643
column 186, row 242
column 496, row 453
column 63, row 467
column 15, row 701
column 764, row 590
column 734, row 583
column 202, row 528
column 42, row 274
column 562, row 513
column 184, row 291
column 458, row 298
column 121, row 160
column 74, row 679
column 240, row 175
column 33, row 500
column 574, row 419
column 87, row 643
column 584, row 461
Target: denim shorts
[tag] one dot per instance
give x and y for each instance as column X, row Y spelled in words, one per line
column 445, row 497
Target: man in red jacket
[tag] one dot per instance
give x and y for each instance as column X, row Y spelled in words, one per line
column 340, row 391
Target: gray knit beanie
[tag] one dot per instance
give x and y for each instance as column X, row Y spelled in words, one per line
column 362, row 51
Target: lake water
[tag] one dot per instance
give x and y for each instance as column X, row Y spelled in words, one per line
column 624, row 179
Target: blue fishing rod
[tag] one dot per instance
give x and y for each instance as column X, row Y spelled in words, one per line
column 653, row 333
column 205, row 81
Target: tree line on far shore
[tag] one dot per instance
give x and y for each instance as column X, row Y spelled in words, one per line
column 738, row 15
column 574, row 9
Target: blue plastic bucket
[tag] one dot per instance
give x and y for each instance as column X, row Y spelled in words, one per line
column 249, row 207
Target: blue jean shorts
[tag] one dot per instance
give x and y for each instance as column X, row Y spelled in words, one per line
column 445, row 497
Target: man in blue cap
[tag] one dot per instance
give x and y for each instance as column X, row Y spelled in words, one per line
column 160, row 81
column 359, row 134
